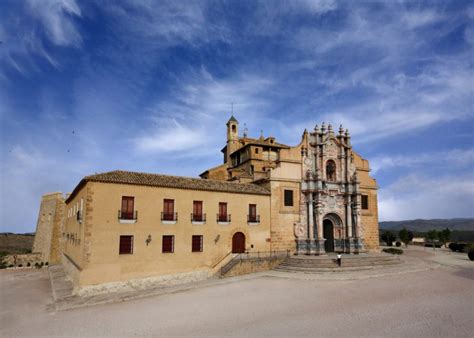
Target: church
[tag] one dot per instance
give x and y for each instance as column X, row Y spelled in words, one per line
column 314, row 198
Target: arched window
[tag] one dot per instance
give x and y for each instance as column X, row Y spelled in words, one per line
column 331, row 170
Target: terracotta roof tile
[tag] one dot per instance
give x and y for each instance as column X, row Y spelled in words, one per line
column 167, row 181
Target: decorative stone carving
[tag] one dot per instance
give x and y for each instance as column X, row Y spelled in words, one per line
column 300, row 230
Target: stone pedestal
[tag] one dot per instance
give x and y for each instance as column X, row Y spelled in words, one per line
column 358, row 246
column 349, row 245
column 301, row 247
column 319, row 247
column 310, row 247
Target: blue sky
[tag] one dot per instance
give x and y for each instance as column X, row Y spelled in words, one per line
column 90, row 86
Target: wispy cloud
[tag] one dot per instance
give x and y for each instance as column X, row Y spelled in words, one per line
column 24, row 35
column 56, row 18
column 419, row 196
column 448, row 160
column 184, row 120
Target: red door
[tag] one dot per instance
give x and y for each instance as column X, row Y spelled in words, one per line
column 238, row 243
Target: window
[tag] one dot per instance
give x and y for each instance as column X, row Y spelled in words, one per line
column 365, row 202
column 252, row 213
column 126, row 245
column 168, row 244
column 222, row 212
column 288, row 198
column 127, row 207
column 256, row 150
column 197, row 243
column 331, row 170
column 197, row 211
column 168, row 210
column 234, row 128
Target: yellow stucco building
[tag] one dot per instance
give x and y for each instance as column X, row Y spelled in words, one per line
column 314, row 198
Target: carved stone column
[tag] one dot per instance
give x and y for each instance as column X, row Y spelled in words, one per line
column 310, row 224
column 349, row 243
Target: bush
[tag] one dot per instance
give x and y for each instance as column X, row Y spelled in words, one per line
column 393, row 251
column 47, row 263
column 453, row 246
column 20, row 265
column 10, row 266
column 398, row 243
column 41, row 263
column 461, row 247
column 37, row 265
column 28, row 264
column 470, row 254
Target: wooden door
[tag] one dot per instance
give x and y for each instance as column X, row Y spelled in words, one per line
column 238, row 243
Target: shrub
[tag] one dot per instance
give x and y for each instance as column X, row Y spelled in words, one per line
column 398, row 243
column 20, row 265
column 47, row 263
column 461, row 247
column 10, row 266
column 37, row 265
column 393, row 251
column 470, row 254
column 453, row 246
column 28, row 264
column 41, row 263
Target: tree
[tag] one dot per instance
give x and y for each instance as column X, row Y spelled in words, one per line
column 444, row 236
column 432, row 235
column 405, row 236
column 388, row 237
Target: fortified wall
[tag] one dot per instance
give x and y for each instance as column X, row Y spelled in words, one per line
column 49, row 226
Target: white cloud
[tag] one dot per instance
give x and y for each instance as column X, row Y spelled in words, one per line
column 56, row 18
column 417, row 18
column 196, row 105
column 450, row 159
column 417, row 196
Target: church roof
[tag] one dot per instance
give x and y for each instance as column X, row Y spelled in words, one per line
column 232, row 119
column 168, row 181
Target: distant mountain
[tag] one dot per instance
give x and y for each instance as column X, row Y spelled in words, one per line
column 422, row 225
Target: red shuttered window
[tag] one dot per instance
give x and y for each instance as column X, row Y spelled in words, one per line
column 197, row 243
column 127, row 207
column 168, row 210
column 168, row 244
column 197, row 211
column 252, row 212
column 126, row 245
column 222, row 212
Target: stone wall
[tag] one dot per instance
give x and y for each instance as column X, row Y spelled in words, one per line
column 23, row 260
column 253, row 265
column 48, row 227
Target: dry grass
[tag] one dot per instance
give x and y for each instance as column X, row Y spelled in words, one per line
column 11, row 243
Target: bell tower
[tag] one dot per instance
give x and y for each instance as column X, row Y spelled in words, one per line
column 232, row 137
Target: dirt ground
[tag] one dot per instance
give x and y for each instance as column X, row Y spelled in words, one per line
column 434, row 303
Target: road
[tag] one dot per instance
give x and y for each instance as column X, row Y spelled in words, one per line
column 434, row 303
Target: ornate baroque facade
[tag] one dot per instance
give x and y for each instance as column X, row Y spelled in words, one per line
column 330, row 193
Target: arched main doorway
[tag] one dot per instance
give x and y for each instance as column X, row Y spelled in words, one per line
column 332, row 226
column 328, row 233
column 238, row 243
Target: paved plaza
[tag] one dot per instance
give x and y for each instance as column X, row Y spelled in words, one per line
column 432, row 296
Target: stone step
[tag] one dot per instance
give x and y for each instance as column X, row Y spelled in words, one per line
column 322, row 270
column 346, row 262
column 314, row 264
column 61, row 286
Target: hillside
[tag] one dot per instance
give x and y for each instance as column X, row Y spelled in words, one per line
column 11, row 243
column 422, row 225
